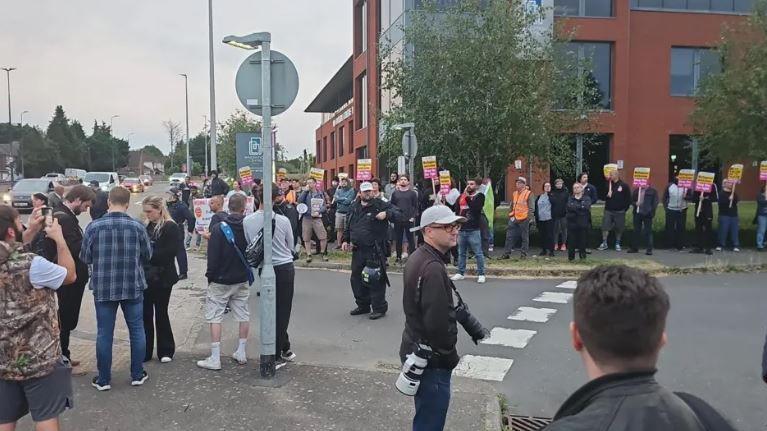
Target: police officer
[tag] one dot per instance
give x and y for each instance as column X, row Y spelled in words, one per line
column 180, row 213
column 365, row 234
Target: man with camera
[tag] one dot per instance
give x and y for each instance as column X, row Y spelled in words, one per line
column 431, row 316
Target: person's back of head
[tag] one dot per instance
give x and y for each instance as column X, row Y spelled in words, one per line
column 119, row 198
column 84, row 193
column 237, row 204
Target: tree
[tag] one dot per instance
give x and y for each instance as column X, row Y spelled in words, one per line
column 197, row 149
column 39, row 153
column 731, row 110
column 78, row 142
column 153, row 151
column 173, row 131
column 481, row 88
column 238, row 122
column 60, row 133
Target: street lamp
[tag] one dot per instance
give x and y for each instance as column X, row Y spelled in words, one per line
column 411, row 147
column 186, row 92
column 213, row 138
column 205, row 129
column 21, row 117
column 8, row 71
column 111, row 139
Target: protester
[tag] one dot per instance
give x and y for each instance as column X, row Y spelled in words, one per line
column 100, row 205
column 406, row 201
column 729, row 223
column 228, row 275
column 283, row 207
column 618, row 329
column 39, row 200
column 559, row 196
column 389, row 189
column 56, row 196
column 311, row 222
column 544, row 219
column 617, row 202
column 645, row 202
column 470, row 205
column 285, row 273
column 365, row 237
column 34, row 377
column 180, row 213
column 236, row 190
column 451, row 201
column 117, row 248
column 430, row 315
column 761, row 219
column 518, row 227
column 588, row 189
column 704, row 216
column 185, row 188
column 217, row 185
column 376, row 183
column 675, row 205
column 161, row 275
column 578, row 222
column 290, row 191
column 488, row 214
column 343, row 198
column 216, row 204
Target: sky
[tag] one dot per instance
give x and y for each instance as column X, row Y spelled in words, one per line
column 123, row 57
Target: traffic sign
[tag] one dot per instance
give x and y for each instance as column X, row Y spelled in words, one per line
column 409, row 144
column 284, row 83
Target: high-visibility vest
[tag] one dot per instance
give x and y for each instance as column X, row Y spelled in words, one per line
column 290, row 197
column 520, row 209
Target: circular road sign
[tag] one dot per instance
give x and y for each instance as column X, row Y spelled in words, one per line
column 284, row 79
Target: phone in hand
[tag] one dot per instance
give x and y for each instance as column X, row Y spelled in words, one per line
column 47, row 213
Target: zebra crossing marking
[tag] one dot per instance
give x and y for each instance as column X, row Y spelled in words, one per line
column 530, row 314
column 517, row 338
column 483, row 367
column 571, row 284
column 554, row 297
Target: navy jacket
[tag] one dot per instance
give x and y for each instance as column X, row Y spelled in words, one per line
column 180, row 213
column 224, row 265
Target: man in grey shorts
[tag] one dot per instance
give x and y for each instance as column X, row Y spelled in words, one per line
column 618, row 200
column 34, row 377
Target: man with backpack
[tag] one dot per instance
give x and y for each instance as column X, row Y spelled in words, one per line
column 228, row 277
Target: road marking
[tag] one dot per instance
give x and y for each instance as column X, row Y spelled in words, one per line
column 555, row 297
column 483, row 367
column 530, row 314
column 517, row 338
column 572, row 284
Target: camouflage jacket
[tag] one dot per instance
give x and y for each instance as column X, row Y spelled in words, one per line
column 29, row 325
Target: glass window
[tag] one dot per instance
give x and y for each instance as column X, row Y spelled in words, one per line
column 675, row 4
column 710, row 63
column 650, row 3
column 598, row 8
column 397, row 7
column 351, row 137
column 364, row 118
column 332, row 145
column 598, row 56
column 682, row 71
column 567, row 7
column 364, row 16
column 325, row 149
column 744, row 5
column 385, row 16
column 721, row 5
column 698, row 4
column 340, row 141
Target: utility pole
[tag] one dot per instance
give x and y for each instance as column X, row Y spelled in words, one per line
column 213, row 138
column 205, row 129
column 8, row 71
column 186, row 93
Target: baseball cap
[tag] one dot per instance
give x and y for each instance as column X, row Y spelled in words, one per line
column 366, row 186
column 522, row 180
column 438, row 214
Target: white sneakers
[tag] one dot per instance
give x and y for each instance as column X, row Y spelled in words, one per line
column 736, row 250
column 210, row 363
column 458, row 277
column 240, row 357
column 481, row 279
column 166, row 359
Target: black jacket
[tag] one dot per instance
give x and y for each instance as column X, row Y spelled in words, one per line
column 621, row 198
column 218, row 187
column 473, row 214
column 578, row 212
column 559, row 199
column 628, row 402
column 427, row 300
column 724, row 204
column 180, row 213
column 363, row 229
column 100, row 205
column 707, row 203
column 407, row 202
column 224, row 265
column 73, row 235
column 161, row 271
column 591, row 192
column 649, row 202
column 289, row 211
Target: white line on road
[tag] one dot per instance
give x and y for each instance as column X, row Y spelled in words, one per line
column 517, row 338
column 572, row 284
column 483, row 367
column 530, row 314
column 555, row 297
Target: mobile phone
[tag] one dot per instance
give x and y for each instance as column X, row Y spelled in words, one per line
column 47, row 213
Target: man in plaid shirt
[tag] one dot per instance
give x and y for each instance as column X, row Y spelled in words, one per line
column 117, row 247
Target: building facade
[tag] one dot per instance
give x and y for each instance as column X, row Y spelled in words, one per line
column 647, row 58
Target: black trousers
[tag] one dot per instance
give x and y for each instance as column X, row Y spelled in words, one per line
column 546, row 228
column 368, row 294
column 70, row 298
column 704, row 233
column 642, row 231
column 156, row 301
column 576, row 239
column 399, row 229
column 675, row 227
column 285, row 287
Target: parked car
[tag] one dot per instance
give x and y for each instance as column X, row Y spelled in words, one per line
column 133, row 184
column 146, row 180
column 22, row 191
column 55, row 176
column 107, row 180
column 74, row 176
column 177, row 178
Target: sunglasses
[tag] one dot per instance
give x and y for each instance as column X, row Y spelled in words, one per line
column 447, row 227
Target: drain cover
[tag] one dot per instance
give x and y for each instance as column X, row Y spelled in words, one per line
column 527, row 423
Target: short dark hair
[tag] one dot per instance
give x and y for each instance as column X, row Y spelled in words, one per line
column 405, row 176
column 237, row 203
column 620, row 313
column 580, row 176
column 8, row 216
column 119, row 196
column 84, row 193
column 377, row 181
column 476, row 180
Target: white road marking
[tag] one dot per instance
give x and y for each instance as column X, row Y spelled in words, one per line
column 530, row 314
column 483, row 367
column 572, row 284
column 517, row 338
column 555, row 297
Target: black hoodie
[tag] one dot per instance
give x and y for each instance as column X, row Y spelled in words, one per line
column 559, row 199
column 224, row 265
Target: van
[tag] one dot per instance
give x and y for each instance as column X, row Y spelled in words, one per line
column 75, row 175
column 107, row 180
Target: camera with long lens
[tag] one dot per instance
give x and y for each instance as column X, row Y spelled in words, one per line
column 470, row 324
column 410, row 377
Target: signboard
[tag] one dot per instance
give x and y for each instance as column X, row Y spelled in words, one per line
column 444, row 182
column 429, row 167
column 317, row 205
column 281, row 173
column 517, row 164
column 686, row 177
column 608, row 168
column 705, row 182
column 250, row 154
column 318, row 174
column 641, row 177
column 401, row 165
column 364, row 169
column 342, row 175
column 763, row 171
column 246, row 175
column 203, row 213
column 284, row 83
column 735, row 174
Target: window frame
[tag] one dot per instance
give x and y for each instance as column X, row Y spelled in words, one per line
column 582, row 11
column 697, row 63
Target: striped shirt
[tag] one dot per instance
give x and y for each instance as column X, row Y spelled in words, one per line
column 116, row 247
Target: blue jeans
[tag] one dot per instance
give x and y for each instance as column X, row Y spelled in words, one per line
column 106, row 313
column 729, row 227
column 432, row 400
column 761, row 229
column 473, row 239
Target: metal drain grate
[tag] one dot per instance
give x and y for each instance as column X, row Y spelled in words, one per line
column 527, row 423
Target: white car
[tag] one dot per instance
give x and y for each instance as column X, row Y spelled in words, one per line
column 107, row 180
column 177, row 178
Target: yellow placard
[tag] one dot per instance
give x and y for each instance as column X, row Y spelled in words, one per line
column 735, row 173
column 282, row 173
column 342, row 175
column 318, row 174
column 641, row 177
column 705, row 181
column 608, row 168
column 364, row 169
column 763, row 170
column 686, row 177
column 429, row 167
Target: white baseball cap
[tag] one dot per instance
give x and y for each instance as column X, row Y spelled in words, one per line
column 366, row 186
column 438, row 214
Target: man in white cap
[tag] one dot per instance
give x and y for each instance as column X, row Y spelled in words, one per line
column 365, row 235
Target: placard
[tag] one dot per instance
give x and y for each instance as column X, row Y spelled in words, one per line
column 641, row 177
column 735, row 173
column 318, row 174
column 246, row 174
column 444, row 182
column 686, row 177
column 281, row 173
column 429, row 167
column 203, row 213
column 364, row 169
column 342, row 175
column 705, row 182
column 610, row 167
column 763, row 171
column 317, row 205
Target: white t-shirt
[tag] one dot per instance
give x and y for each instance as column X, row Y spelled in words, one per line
column 43, row 273
column 233, row 192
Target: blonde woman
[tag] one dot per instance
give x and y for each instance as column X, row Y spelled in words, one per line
column 161, row 275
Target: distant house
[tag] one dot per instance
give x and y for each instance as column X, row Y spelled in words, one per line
column 141, row 163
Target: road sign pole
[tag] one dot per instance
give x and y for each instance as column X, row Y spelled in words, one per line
column 268, row 282
column 411, row 157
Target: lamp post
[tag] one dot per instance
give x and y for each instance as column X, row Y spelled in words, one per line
column 8, row 71
column 186, row 93
column 410, row 148
column 112, row 140
column 205, row 128
column 213, row 139
column 21, row 117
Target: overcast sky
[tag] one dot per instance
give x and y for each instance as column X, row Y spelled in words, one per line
column 123, row 57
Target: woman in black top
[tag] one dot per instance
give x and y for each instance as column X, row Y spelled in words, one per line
column 578, row 222
column 161, row 275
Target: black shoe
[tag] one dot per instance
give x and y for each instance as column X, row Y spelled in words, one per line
column 551, row 254
column 709, row 252
column 632, row 250
column 140, row 381
column 542, row 253
column 505, row 256
column 279, row 363
column 182, row 277
column 99, row 387
column 648, row 252
column 359, row 310
column 376, row 315
column 398, row 261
